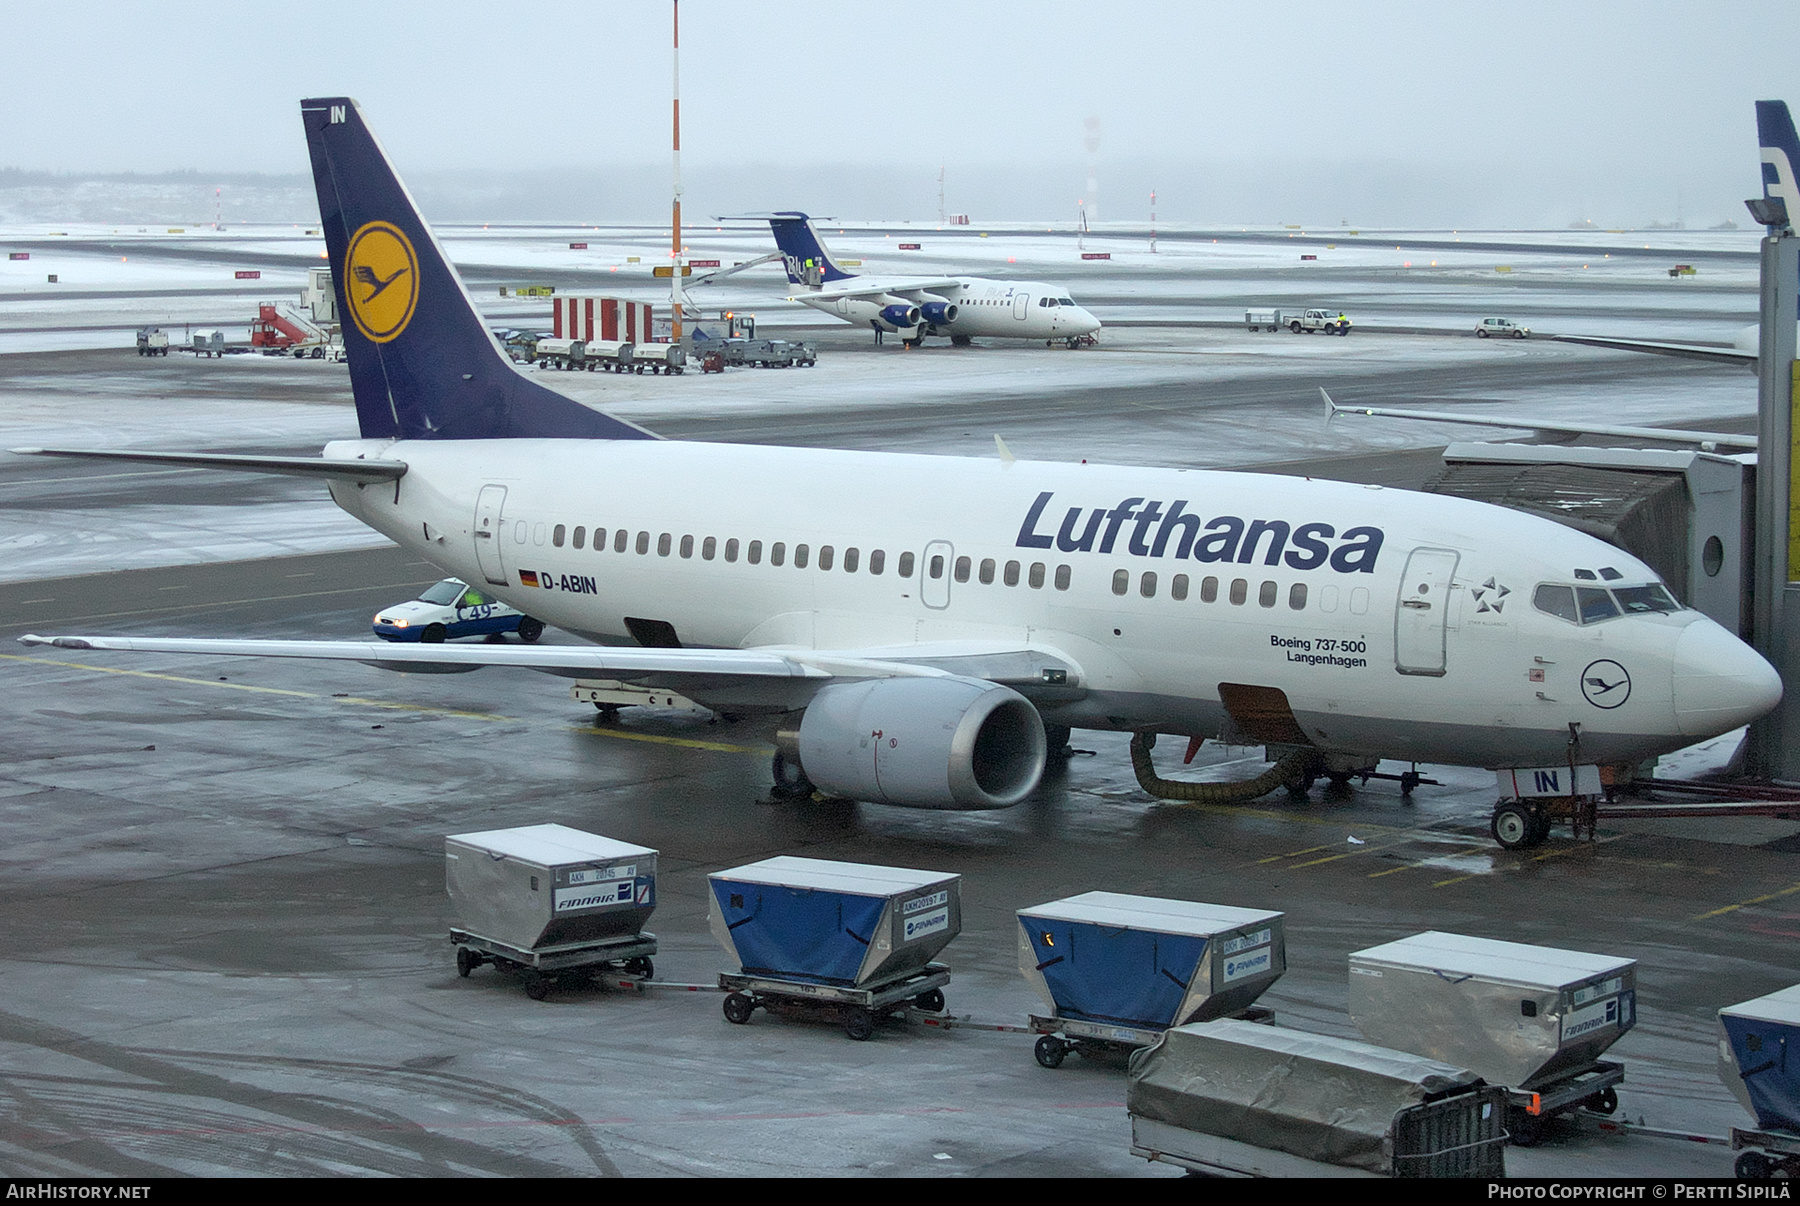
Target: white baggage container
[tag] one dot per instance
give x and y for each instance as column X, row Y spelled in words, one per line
column 1518, row 1015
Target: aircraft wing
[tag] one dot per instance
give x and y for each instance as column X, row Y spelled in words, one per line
column 1689, row 351
column 1714, row 439
column 778, row 677
column 286, row 466
column 869, row 286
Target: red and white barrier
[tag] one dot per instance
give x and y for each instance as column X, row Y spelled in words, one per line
column 606, row 318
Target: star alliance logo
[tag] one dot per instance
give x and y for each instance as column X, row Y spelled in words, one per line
column 1490, row 597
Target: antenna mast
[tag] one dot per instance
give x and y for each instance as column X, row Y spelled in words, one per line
column 675, row 297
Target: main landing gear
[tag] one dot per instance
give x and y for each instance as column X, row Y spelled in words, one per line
column 791, row 783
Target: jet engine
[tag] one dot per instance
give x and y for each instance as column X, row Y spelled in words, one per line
column 900, row 314
column 938, row 312
column 949, row 742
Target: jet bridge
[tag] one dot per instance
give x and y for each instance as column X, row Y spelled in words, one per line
column 1688, row 515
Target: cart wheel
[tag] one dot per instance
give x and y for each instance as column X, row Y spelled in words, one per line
column 465, row 961
column 738, row 1008
column 641, row 967
column 931, row 1001
column 1526, row 1129
column 1513, row 826
column 1606, row 1101
column 537, row 986
column 1050, row 1051
column 859, row 1024
column 1753, row 1166
column 1409, row 782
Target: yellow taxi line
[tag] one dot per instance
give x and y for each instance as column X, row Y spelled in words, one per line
column 1754, row 900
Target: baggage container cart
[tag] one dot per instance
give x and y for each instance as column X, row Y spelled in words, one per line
column 551, row 902
column 1118, row 970
column 609, row 355
column 564, row 965
column 806, row 928
column 1246, row 1100
column 1759, row 1061
column 1535, row 1019
column 854, row 1009
column 1763, row 1155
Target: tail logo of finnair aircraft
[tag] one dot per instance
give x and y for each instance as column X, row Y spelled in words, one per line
column 383, row 285
column 1783, row 185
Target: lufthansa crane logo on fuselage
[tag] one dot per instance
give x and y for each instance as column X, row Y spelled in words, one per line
column 1605, row 684
column 381, row 282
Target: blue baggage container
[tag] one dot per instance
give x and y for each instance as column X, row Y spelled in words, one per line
column 1146, row 962
column 844, row 924
column 1759, row 1057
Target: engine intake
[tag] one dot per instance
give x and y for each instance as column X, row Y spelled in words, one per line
column 900, row 314
column 938, row 313
column 947, row 742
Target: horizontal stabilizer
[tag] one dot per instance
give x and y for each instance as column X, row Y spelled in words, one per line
column 287, row 466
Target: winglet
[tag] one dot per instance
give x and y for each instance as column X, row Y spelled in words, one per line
column 1331, row 408
column 1006, row 456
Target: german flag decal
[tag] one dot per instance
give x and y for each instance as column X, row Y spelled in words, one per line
column 528, row 578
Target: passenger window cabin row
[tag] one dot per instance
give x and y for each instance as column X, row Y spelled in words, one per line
column 852, row 560
column 1267, row 595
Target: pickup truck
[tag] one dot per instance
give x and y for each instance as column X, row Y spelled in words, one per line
column 1331, row 322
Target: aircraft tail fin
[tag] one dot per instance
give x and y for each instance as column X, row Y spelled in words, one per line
column 803, row 253
column 1780, row 153
column 423, row 364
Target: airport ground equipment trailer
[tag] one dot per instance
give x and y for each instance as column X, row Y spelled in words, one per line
column 1534, row 1019
column 1329, row 322
column 659, row 358
column 1118, row 970
column 770, row 353
column 1241, row 1099
column 550, row 901
column 564, row 965
column 1759, row 1061
column 847, row 940
column 855, row 1009
column 1266, row 320
column 152, row 341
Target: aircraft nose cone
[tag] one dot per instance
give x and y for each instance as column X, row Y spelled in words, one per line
column 1720, row 682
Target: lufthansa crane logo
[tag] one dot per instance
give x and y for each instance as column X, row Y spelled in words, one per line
column 1606, row 684
column 382, row 280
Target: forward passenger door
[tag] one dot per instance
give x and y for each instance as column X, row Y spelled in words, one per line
column 1422, row 615
column 487, row 534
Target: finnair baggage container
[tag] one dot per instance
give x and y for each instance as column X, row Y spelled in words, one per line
column 845, row 924
column 540, row 886
column 1518, row 1015
column 1146, row 962
column 1759, row 1057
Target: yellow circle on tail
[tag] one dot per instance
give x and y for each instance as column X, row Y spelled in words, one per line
column 381, row 280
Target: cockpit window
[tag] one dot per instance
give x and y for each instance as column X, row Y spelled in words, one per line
column 1065, row 301
column 1636, row 600
column 1596, row 604
column 1593, row 604
column 1558, row 601
column 444, row 594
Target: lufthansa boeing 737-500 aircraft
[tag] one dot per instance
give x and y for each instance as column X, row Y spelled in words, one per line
column 921, row 621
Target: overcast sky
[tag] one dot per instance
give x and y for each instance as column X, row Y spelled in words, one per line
column 1546, row 112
